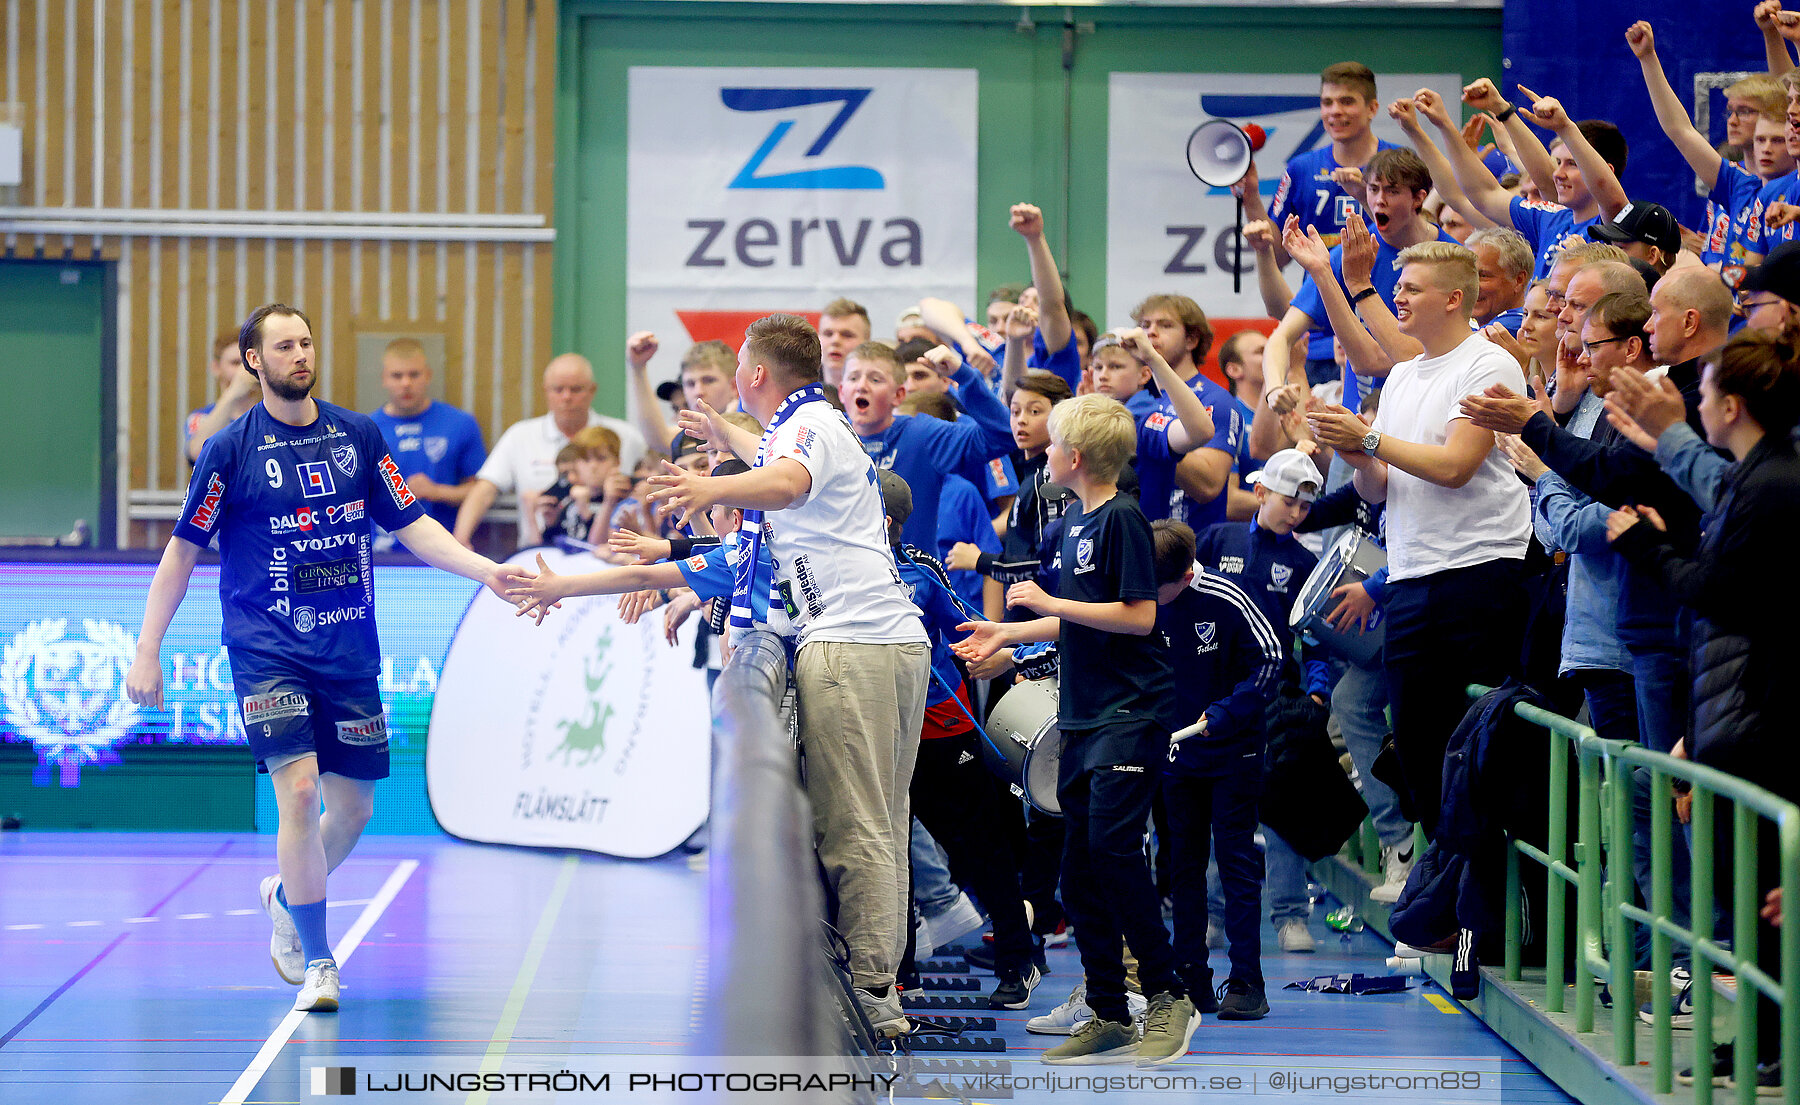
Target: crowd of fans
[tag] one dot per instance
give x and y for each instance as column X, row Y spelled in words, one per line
column 1563, row 418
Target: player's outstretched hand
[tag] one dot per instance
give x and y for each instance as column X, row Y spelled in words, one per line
column 144, row 682
column 534, row 595
column 680, row 606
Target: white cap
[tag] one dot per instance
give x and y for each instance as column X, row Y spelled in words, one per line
column 1292, row 473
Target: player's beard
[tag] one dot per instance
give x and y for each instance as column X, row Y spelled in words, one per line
column 289, row 392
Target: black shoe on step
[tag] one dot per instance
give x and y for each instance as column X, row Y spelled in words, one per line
column 1241, row 1001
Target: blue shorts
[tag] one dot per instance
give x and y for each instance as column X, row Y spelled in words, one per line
column 290, row 711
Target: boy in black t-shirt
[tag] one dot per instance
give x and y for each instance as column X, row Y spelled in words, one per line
column 1115, row 678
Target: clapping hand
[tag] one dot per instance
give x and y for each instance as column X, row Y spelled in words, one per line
column 1306, row 247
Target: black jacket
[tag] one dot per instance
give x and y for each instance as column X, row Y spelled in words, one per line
column 1611, row 470
column 1743, row 651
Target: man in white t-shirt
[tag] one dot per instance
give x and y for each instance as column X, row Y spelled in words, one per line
column 1458, row 519
column 862, row 663
column 524, row 459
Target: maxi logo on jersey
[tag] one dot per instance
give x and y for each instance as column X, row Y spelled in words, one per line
column 207, row 513
column 390, row 472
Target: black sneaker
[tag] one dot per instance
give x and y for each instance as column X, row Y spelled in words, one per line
column 1721, row 1068
column 1240, row 1001
column 1198, row 978
column 1014, row 991
column 981, row 957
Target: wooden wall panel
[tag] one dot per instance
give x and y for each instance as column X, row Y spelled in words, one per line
column 327, row 107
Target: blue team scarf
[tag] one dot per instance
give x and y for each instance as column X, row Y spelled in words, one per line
column 743, row 580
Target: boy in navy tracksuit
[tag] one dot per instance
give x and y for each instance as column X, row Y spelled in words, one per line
column 1225, row 658
column 1265, row 558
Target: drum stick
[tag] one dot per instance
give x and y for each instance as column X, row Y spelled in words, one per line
column 1191, row 731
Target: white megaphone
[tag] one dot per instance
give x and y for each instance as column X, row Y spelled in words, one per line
column 1219, row 154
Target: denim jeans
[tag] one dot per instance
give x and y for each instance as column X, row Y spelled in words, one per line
column 933, row 889
column 1284, row 875
column 1359, row 702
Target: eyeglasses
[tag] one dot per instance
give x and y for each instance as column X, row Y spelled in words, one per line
column 1590, row 346
column 1745, row 306
column 1555, row 299
column 1741, row 111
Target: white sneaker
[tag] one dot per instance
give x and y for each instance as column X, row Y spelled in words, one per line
column 922, row 946
column 320, row 994
column 284, row 942
column 954, row 923
column 1065, row 1018
column 1072, row 1014
column 1396, row 864
column 885, row 1014
column 1295, row 936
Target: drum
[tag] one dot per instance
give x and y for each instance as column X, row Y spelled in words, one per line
column 1353, row 559
column 1024, row 745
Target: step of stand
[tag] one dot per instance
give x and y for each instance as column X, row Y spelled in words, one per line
column 958, row 1024
column 913, row 1000
column 949, row 982
column 944, row 967
column 955, row 1043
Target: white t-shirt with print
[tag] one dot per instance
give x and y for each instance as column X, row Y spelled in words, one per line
column 1431, row 528
column 834, row 567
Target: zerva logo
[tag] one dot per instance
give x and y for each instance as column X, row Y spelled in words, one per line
column 831, row 177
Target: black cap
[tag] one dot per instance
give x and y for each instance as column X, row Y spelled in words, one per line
column 1779, row 273
column 1641, row 222
column 668, row 390
column 896, row 496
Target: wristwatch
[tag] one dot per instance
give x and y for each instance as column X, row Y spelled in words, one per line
column 1370, row 442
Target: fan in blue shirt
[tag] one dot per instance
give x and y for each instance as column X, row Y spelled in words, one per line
column 922, row 449
column 1397, row 185
column 437, row 446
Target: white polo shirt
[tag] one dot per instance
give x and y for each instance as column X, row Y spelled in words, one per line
column 834, row 568
column 524, row 459
column 1431, row 528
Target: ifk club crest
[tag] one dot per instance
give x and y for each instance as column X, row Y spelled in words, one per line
column 67, row 696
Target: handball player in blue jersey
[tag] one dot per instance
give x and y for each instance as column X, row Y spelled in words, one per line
column 291, row 490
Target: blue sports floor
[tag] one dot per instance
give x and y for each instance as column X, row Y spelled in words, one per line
column 135, row 968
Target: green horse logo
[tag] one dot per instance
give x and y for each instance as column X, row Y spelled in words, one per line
column 585, row 741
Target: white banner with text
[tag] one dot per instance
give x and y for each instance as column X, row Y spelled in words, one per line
column 583, row 732
column 754, row 190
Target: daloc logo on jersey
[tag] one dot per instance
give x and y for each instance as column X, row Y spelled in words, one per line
column 344, row 456
column 315, row 480
column 836, row 177
column 67, row 696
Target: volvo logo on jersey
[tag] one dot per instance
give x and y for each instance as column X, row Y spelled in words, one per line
column 816, row 182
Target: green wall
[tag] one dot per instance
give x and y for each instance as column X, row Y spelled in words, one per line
column 56, row 417
column 1043, row 123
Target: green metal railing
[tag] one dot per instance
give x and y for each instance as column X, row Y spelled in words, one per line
column 1595, row 862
